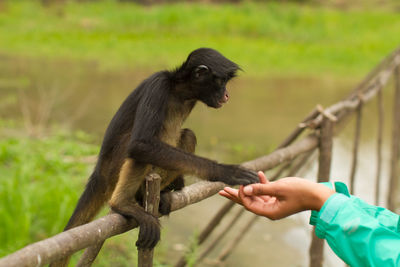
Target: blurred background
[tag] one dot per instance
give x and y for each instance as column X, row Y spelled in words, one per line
column 66, row 66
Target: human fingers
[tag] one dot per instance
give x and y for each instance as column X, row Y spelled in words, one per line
column 234, row 193
column 231, row 191
column 245, row 199
column 224, row 194
column 254, row 204
column 260, row 189
column 262, row 177
column 249, row 200
column 230, row 197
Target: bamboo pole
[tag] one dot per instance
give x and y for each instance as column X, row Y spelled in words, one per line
column 324, row 169
column 379, row 146
column 356, row 144
column 394, row 163
column 151, row 202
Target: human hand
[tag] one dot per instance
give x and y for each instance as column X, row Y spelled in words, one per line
column 233, row 194
column 276, row 200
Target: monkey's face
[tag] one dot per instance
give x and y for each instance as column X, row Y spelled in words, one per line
column 209, row 87
column 209, row 73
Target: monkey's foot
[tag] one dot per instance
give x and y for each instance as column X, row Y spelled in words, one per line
column 149, row 231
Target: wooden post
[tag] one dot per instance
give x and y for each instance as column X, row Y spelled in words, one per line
column 394, row 162
column 324, row 169
column 153, row 184
column 381, row 116
column 355, row 146
column 152, row 200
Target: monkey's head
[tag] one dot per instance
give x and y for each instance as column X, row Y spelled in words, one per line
column 206, row 73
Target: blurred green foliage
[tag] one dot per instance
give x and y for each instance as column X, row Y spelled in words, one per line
column 40, row 182
column 192, row 251
column 264, row 37
column 38, row 185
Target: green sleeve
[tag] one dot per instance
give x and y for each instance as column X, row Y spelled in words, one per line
column 360, row 234
column 384, row 216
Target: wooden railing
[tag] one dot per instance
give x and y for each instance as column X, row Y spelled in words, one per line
column 315, row 132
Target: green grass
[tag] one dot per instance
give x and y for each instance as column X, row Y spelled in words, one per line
column 40, row 180
column 263, row 38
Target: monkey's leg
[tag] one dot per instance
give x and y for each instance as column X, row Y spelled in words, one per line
column 123, row 202
column 175, row 181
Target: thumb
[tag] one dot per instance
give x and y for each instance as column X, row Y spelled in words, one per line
column 260, row 189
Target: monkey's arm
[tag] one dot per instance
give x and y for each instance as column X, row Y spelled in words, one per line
column 146, row 147
column 170, row 158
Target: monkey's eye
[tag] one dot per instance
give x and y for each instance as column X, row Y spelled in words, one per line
column 220, row 81
column 201, row 70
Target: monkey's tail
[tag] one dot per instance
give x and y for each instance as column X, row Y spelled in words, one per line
column 89, row 204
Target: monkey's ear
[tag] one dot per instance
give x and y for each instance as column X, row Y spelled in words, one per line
column 201, row 70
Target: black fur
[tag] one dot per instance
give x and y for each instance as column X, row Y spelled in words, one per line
column 152, row 113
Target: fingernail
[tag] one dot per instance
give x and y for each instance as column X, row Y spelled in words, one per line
column 248, row 190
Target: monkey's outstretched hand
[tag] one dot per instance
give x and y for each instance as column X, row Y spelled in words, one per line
column 236, row 175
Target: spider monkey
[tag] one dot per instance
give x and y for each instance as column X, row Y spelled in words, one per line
column 145, row 135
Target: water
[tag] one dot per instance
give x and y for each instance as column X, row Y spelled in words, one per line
column 82, row 96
